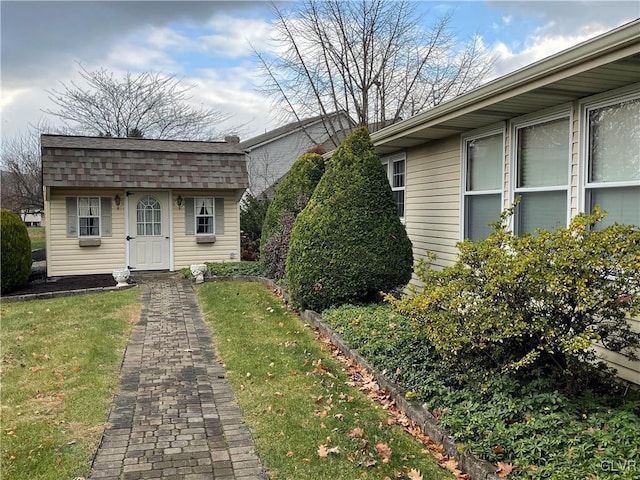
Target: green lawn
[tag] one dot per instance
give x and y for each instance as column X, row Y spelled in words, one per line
column 37, row 236
column 59, row 371
column 307, row 421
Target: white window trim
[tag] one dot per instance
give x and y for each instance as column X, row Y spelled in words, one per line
column 464, row 139
column 556, row 113
column 387, row 162
column 195, row 215
column 631, row 92
column 99, row 216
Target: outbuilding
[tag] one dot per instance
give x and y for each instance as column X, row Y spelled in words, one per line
column 112, row 203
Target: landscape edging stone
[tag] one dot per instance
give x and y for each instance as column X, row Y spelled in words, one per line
column 476, row 468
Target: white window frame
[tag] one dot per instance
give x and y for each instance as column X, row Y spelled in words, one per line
column 558, row 113
column 595, row 102
column 98, row 216
column 465, row 139
column 212, row 215
column 388, row 162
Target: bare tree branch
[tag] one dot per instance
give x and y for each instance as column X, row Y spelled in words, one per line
column 373, row 59
column 147, row 104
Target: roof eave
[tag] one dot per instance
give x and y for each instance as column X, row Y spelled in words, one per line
column 623, row 39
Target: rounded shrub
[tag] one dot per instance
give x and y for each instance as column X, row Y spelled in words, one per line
column 348, row 244
column 16, row 251
column 290, row 199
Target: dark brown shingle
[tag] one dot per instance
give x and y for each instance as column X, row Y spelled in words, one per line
column 129, row 163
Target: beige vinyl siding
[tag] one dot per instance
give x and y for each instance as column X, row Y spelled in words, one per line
column 185, row 249
column 506, row 169
column 433, row 200
column 574, row 184
column 64, row 255
column 626, row 368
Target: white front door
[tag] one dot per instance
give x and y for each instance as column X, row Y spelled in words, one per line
column 149, row 237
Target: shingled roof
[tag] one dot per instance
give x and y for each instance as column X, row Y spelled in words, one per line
column 71, row 161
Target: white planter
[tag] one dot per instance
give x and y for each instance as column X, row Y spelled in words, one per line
column 121, row 275
column 198, row 271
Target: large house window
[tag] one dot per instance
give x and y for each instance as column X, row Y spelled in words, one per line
column 542, row 158
column 483, row 158
column 396, row 173
column 204, row 215
column 89, row 216
column 613, row 160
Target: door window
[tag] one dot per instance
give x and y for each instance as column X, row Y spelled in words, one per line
column 149, row 217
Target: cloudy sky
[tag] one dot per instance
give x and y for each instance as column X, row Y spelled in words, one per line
column 207, row 43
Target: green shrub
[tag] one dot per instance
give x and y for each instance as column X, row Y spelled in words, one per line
column 252, row 213
column 290, row 199
column 520, row 418
column 348, row 243
column 510, row 301
column 230, row 269
column 16, row 251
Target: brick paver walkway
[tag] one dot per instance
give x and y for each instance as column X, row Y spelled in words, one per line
column 175, row 416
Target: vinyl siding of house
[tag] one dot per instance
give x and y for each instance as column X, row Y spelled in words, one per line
column 267, row 163
column 70, row 258
column 227, row 245
column 433, row 199
column 433, row 209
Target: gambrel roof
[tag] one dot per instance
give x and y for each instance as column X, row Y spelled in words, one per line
column 98, row 162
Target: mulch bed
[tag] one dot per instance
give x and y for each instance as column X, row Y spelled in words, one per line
column 61, row 284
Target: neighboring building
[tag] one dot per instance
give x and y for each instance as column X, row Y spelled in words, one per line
column 145, row 204
column 563, row 134
column 271, row 155
column 31, row 219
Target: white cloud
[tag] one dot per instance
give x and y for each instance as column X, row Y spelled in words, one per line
column 537, row 48
column 232, row 91
column 234, row 36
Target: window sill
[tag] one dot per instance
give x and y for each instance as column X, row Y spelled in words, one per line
column 206, row 239
column 89, row 242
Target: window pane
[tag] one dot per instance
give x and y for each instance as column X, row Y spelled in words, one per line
column 621, row 204
column 614, row 142
column 480, row 211
column 546, row 210
column 204, row 215
column 543, row 154
column 398, row 174
column 399, row 198
column 149, row 217
column 484, row 163
column 205, row 225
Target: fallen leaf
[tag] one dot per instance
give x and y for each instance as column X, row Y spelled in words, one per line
column 322, row 451
column 384, row 450
column 414, row 474
column 504, row 469
column 289, row 453
column 357, row 433
column 498, row 449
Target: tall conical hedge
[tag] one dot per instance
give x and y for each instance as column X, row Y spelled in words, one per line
column 348, row 243
column 290, row 199
column 15, row 251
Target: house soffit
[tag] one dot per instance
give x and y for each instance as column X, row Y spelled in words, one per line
column 603, row 78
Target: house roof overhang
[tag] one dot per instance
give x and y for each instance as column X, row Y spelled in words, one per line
column 604, row 63
column 96, row 162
